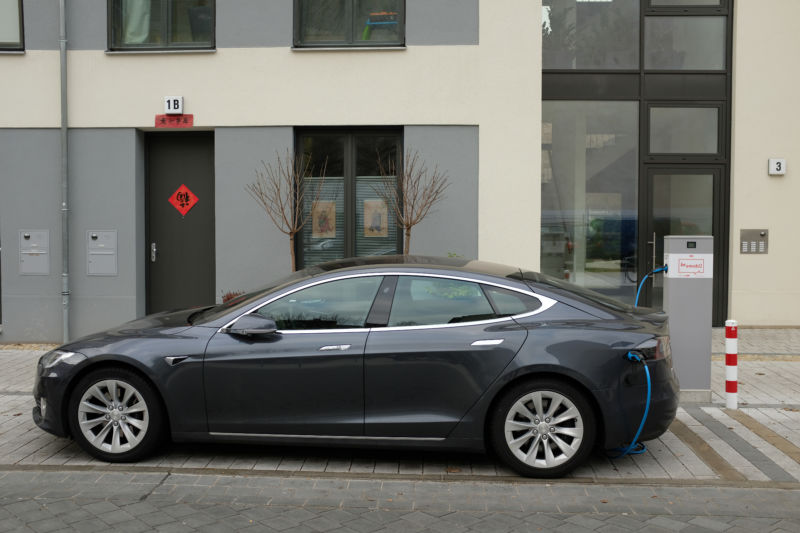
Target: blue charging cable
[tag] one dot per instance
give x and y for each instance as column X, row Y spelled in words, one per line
column 635, row 447
column 639, row 290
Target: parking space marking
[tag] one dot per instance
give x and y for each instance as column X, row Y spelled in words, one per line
column 700, row 447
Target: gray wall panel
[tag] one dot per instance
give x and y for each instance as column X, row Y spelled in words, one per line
column 87, row 25
column 254, row 23
column 40, row 18
column 442, row 22
column 30, row 199
column 250, row 250
column 103, row 196
column 452, row 225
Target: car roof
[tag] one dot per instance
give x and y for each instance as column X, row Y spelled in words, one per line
column 415, row 262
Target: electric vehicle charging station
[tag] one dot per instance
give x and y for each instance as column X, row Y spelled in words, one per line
column 688, row 298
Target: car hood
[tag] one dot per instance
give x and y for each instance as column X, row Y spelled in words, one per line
column 168, row 324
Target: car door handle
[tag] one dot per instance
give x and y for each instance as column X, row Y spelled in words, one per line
column 336, row 347
column 487, row 342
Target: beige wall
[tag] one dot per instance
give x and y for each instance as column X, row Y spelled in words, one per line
column 495, row 85
column 30, row 92
column 765, row 289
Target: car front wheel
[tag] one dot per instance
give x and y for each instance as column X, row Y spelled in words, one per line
column 115, row 415
column 542, row 428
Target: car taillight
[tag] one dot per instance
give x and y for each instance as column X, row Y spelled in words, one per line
column 654, row 349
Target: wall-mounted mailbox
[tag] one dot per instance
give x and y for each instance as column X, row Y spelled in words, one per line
column 754, row 241
column 101, row 253
column 34, row 252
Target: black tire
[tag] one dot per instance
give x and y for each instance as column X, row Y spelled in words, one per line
column 523, row 443
column 123, row 429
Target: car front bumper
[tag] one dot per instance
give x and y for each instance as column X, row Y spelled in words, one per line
column 50, row 394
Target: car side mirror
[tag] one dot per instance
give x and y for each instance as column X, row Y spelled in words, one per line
column 252, row 325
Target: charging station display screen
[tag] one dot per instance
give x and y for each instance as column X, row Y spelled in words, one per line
column 691, row 244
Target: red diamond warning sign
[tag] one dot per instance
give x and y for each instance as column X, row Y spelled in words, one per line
column 183, row 199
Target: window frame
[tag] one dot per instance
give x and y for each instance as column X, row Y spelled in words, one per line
column 351, row 42
column 722, row 120
column 349, row 182
column 115, row 22
column 9, row 46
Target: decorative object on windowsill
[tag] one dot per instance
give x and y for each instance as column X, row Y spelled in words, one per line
column 380, row 18
column 410, row 191
column 281, row 191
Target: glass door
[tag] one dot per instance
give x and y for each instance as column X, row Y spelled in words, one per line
column 680, row 201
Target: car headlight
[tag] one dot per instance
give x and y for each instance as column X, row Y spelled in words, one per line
column 51, row 359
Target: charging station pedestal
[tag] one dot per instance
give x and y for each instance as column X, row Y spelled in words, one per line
column 688, row 298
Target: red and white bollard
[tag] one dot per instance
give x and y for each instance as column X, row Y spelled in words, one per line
column 731, row 364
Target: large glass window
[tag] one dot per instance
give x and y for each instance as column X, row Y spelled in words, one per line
column 589, row 194
column 10, row 24
column 349, row 22
column 348, row 217
column 334, row 305
column 590, row 35
column 420, row 301
column 684, row 130
column 684, row 43
column 161, row 24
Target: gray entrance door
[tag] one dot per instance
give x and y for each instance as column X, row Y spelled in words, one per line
column 180, row 220
column 683, row 200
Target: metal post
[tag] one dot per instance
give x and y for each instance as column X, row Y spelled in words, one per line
column 731, row 364
column 62, row 41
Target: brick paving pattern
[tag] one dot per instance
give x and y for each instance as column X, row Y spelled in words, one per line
column 49, row 484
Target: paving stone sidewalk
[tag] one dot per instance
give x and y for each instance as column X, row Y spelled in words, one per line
column 706, row 444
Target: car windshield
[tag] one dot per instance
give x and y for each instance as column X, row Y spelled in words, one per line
column 571, row 288
column 241, row 301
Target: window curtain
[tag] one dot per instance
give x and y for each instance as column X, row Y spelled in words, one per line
column 135, row 21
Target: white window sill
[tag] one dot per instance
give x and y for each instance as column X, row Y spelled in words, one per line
column 347, row 48
column 146, row 51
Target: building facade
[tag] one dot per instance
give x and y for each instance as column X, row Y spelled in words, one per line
column 653, row 116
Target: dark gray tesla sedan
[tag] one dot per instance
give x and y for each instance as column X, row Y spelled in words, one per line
column 402, row 351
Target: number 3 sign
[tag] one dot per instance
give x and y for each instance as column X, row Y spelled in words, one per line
column 173, row 105
column 777, row 167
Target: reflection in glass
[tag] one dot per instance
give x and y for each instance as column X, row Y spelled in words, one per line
column 682, row 205
column 324, row 21
column 163, row 23
column 684, row 43
column 378, row 21
column 684, row 130
column 589, row 194
column 351, row 22
column 684, row 2
column 376, row 225
column 590, row 35
column 9, row 24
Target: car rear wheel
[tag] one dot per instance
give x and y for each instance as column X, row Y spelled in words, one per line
column 542, row 428
column 115, row 415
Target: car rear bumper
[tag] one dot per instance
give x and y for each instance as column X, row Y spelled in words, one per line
column 622, row 422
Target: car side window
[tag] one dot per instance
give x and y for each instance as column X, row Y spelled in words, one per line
column 337, row 304
column 510, row 303
column 421, row 301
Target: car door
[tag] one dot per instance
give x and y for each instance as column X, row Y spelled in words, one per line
column 444, row 343
column 304, row 379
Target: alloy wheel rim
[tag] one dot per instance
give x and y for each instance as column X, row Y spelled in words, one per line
column 113, row 416
column 543, row 429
